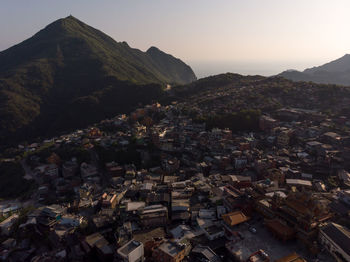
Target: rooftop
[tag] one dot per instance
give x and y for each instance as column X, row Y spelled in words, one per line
column 299, row 182
column 132, row 206
column 339, row 234
column 170, row 248
column 291, row 258
column 207, row 253
column 96, row 239
column 129, row 247
column 149, row 235
column 235, row 218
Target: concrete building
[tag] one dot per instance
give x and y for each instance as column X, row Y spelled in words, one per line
column 109, row 200
column 336, row 239
column 100, row 246
column 133, row 251
column 171, row 252
column 154, row 216
column 267, row 123
column 7, row 224
column 69, row 168
column 213, row 232
column 52, row 170
column 204, row 253
column 88, row 171
column 283, row 139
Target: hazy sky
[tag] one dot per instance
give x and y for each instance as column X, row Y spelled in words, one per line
column 213, row 36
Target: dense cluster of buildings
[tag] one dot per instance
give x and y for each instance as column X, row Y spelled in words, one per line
column 189, row 194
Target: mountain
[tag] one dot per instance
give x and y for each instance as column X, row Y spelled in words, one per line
column 335, row 72
column 171, row 67
column 215, row 97
column 70, row 74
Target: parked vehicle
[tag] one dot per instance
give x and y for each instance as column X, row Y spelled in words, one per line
column 253, row 230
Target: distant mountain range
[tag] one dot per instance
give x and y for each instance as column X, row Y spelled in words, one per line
column 70, row 74
column 335, row 72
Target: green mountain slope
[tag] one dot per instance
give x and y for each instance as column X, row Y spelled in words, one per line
column 71, row 66
column 171, row 67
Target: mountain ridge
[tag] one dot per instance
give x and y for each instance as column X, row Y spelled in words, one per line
column 69, row 61
column 334, row 72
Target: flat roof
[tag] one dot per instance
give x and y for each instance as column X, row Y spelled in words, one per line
column 154, row 210
column 129, row 247
column 131, row 206
column 96, row 239
column 148, row 235
column 206, row 252
column 299, row 182
column 170, row 248
column 213, row 229
column 277, row 226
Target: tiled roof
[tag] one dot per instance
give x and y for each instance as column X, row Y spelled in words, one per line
column 235, row 218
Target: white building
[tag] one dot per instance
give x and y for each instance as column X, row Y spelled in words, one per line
column 132, row 252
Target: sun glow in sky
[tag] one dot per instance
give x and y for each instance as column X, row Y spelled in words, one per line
column 213, row 36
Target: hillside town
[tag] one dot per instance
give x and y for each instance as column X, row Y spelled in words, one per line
column 156, row 185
